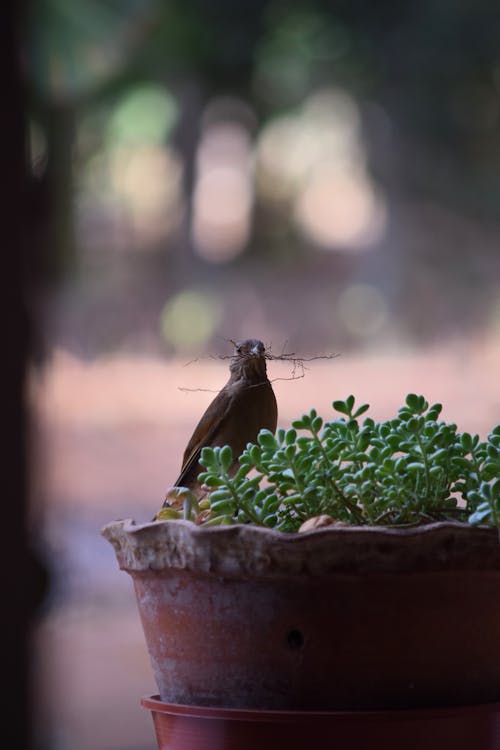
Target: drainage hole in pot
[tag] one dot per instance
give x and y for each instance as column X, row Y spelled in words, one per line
column 295, row 639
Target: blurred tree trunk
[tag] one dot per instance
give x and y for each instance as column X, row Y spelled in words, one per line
column 60, row 133
column 185, row 141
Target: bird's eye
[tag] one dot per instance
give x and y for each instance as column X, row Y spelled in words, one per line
column 238, row 350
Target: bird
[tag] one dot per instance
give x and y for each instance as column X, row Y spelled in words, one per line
column 240, row 410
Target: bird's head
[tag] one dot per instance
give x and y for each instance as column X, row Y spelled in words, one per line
column 249, row 358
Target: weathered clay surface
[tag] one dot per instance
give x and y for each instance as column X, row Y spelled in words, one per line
column 247, row 550
column 332, row 619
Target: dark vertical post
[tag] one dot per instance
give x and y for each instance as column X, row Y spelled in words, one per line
column 22, row 584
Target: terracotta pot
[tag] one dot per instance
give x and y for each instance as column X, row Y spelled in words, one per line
column 333, row 619
column 198, row 728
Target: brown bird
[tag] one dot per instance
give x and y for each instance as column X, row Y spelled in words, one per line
column 240, row 410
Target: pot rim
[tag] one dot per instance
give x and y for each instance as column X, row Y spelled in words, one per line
column 243, row 550
column 154, row 703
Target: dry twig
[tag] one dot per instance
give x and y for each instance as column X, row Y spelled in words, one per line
column 298, row 366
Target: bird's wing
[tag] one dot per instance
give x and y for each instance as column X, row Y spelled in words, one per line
column 206, row 430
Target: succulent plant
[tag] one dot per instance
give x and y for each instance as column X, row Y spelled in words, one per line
column 408, row 470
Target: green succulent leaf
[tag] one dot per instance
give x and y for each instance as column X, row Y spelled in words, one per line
column 226, row 457
column 341, row 406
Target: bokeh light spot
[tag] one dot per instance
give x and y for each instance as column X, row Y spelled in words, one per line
column 223, row 193
column 363, row 310
column 130, row 186
column 148, row 179
column 313, row 162
column 146, row 114
column 339, row 209
column 189, row 319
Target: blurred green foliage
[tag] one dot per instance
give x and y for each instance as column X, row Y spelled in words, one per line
column 424, row 79
column 435, row 67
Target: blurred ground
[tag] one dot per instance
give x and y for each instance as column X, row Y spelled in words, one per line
column 109, row 436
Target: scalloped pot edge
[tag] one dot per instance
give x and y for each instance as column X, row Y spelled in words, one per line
column 242, row 550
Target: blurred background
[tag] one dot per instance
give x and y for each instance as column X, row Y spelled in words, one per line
column 324, row 176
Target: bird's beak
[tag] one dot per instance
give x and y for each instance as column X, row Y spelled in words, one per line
column 255, row 350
